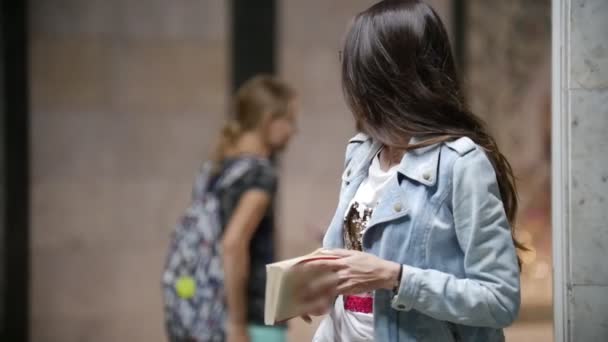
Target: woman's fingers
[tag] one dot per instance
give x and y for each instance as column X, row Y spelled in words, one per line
column 343, row 275
column 323, row 305
column 338, row 252
column 347, row 288
column 306, row 318
column 324, row 265
column 317, row 278
column 319, row 287
column 318, row 307
column 327, row 285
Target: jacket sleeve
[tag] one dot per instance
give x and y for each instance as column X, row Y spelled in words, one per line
column 489, row 295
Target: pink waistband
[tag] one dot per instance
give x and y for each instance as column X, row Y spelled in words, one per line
column 359, row 304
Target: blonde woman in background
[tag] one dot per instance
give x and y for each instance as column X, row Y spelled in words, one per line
column 263, row 123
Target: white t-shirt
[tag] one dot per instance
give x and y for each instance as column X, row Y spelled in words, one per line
column 341, row 324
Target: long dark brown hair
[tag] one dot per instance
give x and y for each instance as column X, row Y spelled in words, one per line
column 400, row 81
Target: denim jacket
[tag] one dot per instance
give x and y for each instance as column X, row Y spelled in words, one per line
column 442, row 217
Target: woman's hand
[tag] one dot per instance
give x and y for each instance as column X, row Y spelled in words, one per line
column 237, row 332
column 316, row 285
column 351, row 272
column 320, row 308
column 360, row 272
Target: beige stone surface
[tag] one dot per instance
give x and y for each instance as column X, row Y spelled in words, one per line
column 126, row 101
column 170, row 77
column 70, row 73
column 584, row 94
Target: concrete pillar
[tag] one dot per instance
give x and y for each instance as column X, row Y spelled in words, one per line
column 580, row 169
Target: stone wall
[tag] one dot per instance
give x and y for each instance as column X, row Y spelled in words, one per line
column 580, row 175
column 126, row 99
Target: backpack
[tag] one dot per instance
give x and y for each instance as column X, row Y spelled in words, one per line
column 193, row 279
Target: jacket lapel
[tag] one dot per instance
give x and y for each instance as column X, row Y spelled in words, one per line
column 419, row 166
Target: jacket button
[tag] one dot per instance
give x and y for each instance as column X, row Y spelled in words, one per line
column 426, row 176
column 398, row 207
column 348, row 173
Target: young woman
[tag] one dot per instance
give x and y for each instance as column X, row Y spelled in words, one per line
column 423, row 225
column 265, row 114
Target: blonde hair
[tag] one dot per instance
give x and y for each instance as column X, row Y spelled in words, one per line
column 260, row 97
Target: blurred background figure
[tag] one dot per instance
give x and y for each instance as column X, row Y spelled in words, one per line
column 114, row 103
column 242, row 180
column 264, row 122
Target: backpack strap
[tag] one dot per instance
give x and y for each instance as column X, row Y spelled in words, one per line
column 237, row 170
column 201, row 182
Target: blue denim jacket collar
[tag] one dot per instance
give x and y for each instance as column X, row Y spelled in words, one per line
column 360, row 166
column 418, row 165
column 421, row 165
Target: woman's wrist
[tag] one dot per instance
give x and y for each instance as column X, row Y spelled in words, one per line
column 392, row 275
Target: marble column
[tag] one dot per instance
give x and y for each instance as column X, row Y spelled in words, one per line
column 580, row 169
